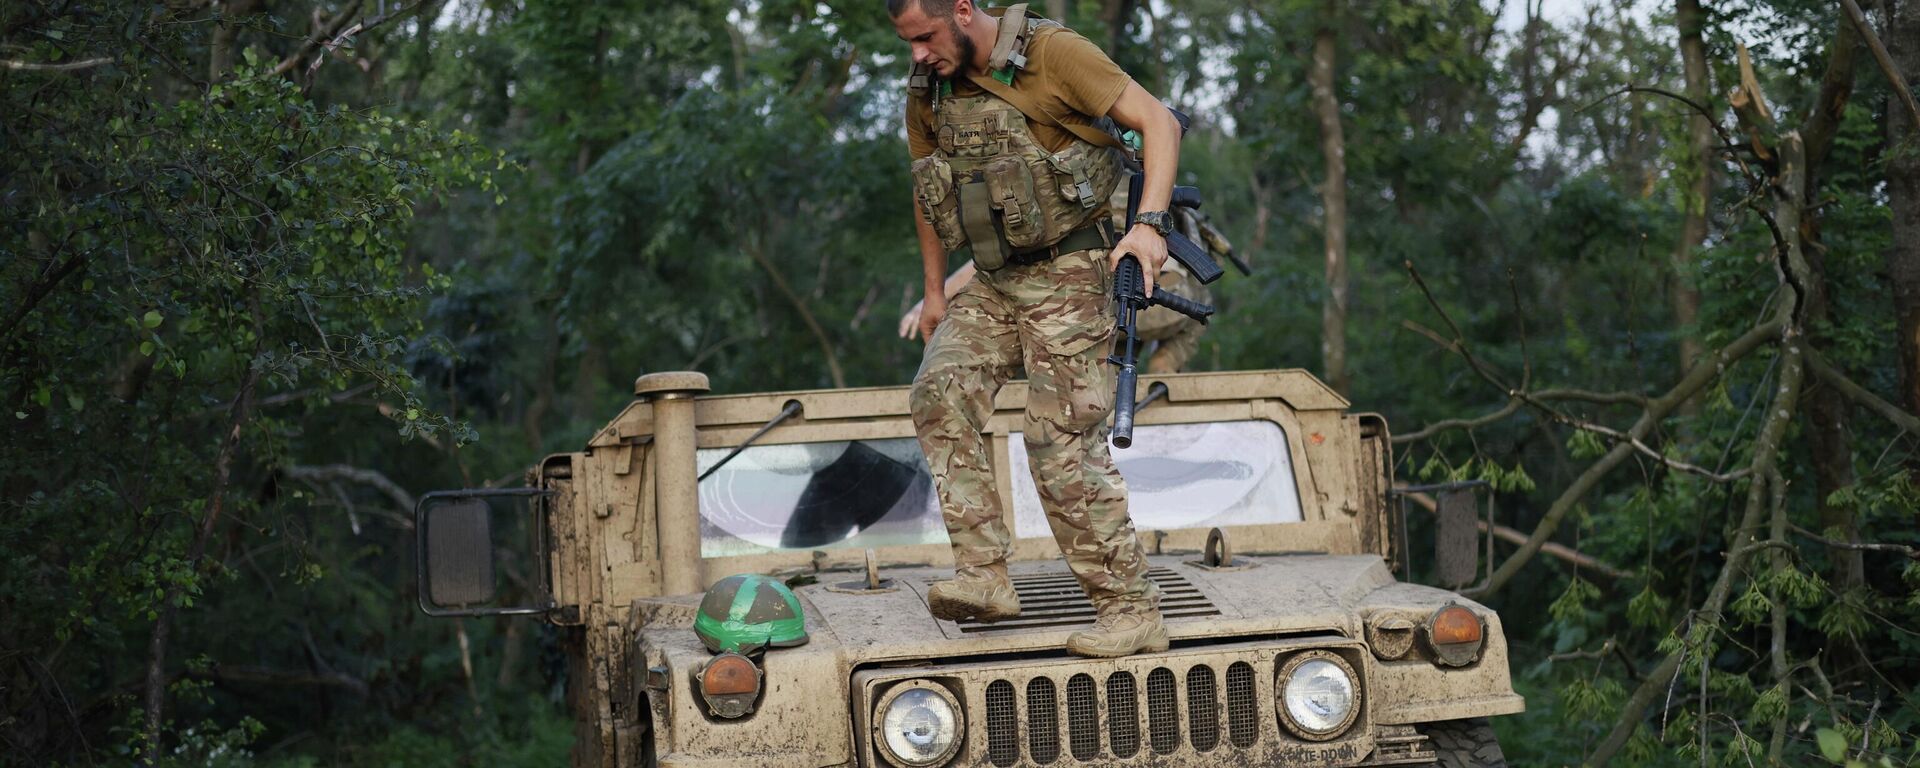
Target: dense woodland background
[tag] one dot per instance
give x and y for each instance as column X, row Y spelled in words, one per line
column 272, row 268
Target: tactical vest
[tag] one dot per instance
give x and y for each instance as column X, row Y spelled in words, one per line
column 990, row 189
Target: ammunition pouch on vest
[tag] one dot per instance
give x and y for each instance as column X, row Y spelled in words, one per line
column 990, row 189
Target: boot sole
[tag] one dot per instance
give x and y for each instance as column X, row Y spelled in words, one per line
column 1152, row 645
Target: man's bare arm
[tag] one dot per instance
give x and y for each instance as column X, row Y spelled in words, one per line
column 910, row 322
column 1160, row 143
column 933, row 271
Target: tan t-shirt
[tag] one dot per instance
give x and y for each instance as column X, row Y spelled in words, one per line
column 1065, row 73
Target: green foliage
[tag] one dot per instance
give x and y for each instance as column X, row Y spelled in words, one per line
column 453, row 248
column 1572, row 604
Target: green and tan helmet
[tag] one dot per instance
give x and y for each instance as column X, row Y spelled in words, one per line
column 747, row 612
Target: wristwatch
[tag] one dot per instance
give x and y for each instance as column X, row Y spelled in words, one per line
column 1161, row 221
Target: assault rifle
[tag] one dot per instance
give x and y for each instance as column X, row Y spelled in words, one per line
column 1129, row 290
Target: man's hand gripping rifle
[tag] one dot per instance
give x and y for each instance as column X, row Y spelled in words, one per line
column 1129, row 291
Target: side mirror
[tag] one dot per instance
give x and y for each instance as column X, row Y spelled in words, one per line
column 473, row 547
column 1457, row 538
column 1456, row 553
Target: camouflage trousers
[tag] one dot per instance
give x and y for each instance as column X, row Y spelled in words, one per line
column 1056, row 320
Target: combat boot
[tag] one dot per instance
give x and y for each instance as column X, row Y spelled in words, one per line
column 1120, row 634
column 982, row 593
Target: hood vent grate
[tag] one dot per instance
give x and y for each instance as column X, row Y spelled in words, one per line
column 1055, row 601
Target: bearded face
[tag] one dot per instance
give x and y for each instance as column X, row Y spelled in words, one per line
column 938, row 43
column 967, row 49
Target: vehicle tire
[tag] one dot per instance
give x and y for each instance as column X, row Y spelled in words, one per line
column 1467, row 743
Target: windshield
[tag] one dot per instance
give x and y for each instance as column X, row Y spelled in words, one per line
column 877, row 493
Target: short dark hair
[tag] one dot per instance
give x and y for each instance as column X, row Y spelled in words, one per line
column 939, row 9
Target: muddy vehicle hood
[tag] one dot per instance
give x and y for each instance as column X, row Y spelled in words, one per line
column 1261, row 596
column 1285, row 594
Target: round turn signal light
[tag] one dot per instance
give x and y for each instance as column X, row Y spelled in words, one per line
column 729, row 683
column 1455, row 634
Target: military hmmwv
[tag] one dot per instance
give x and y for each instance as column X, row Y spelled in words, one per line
column 1266, row 506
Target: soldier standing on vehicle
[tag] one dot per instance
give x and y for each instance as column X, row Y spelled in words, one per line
column 1008, row 169
column 1175, row 336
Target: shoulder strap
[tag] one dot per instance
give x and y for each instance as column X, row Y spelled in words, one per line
column 1032, row 109
column 1010, row 46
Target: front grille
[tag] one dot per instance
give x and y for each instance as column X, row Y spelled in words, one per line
column 1203, row 708
column 1163, row 711
column 1123, row 714
column 1083, row 717
column 1155, row 707
column 1243, row 723
column 1043, row 721
column 1042, row 715
column 1003, row 728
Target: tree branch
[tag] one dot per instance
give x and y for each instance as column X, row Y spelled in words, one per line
column 341, row 38
column 1909, row 552
column 1880, row 56
column 800, row 307
column 1834, row 378
column 368, row 477
column 28, row 66
column 33, row 294
column 329, row 32
column 1552, row 549
column 1512, row 406
column 255, row 675
column 1648, row 451
column 1703, row 372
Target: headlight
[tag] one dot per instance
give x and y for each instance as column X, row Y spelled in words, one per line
column 1318, row 698
column 919, row 724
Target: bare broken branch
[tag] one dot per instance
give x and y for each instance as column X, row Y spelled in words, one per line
column 1512, row 407
column 330, row 31
column 1648, row 451
column 1881, row 57
column 1562, row 552
column 368, row 477
column 341, row 38
column 1834, row 378
column 1862, row 546
column 29, row 66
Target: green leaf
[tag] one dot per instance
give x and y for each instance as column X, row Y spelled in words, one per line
column 151, row 319
column 359, row 236
column 146, row 348
column 1832, row 746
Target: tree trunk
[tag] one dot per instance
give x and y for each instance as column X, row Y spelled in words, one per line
column 1333, row 197
column 533, row 419
column 156, row 682
column 1057, row 10
column 225, row 33
column 588, row 373
column 1826, row 408
column 1685, row 296
column 1903, row 193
